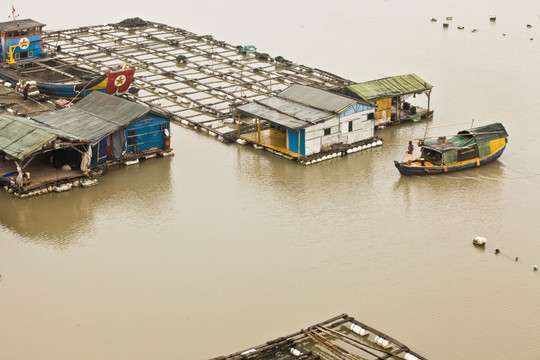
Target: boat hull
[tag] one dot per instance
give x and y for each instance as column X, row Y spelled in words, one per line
column 417, row 169
column 112, row 82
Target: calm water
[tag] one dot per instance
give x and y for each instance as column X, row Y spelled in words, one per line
column 222, row 247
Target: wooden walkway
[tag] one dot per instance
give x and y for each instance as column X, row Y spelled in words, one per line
column 194, row 79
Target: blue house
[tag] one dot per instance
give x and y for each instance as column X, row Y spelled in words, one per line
column 116, row 129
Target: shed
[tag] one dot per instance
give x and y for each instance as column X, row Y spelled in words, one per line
column 389, row 95
column 112, row 126
column 98, row 130
column 304, row 121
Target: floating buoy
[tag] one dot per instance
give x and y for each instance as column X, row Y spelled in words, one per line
column 248, row 352
column 474, row 30
column 479, row 241
column 529, row 26
column 497, row 251
column 379, row 142
column 535, row 267
column 448, row 18
column 295, row 352
column 461, row 27
column 517, row 258
column 445, row 24
column 382, row 342
column 492, row 17
column 359, row 330
column 410, row 357
column 504, row 34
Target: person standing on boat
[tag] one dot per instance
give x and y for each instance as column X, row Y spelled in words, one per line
column 25, row 91
column 409, row 152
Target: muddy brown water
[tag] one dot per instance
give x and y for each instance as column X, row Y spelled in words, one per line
column 223, row 247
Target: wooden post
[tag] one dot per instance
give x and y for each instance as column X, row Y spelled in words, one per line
column 428, row 99
column 398, row 108
column 259, row 131
column 238, row 124
column 299, row 137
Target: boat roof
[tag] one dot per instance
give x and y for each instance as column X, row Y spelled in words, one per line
column 385, row 88
column 20, row 24
column 298, row 106
column 467, row 138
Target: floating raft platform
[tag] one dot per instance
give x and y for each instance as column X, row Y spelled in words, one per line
column 339, row 338
column 193, row 79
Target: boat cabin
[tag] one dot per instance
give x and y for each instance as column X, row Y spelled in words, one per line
column 20, row 40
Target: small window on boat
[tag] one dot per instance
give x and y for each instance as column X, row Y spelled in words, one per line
column 31, row 31
column 9, row 34
column 327, row 131
column 16, row 34
column 38, row 30
column 350, row 126
column 17, row 56
column 30, row 54
column 24, row 32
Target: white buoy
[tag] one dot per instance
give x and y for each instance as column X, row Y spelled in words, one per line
column 379, row 142
column 295, row 352
column 382, row 342
column 479, row 241
column 248, row 352
column 535, row 267
column 359, row 330
column 410, row 357
column 368, row 146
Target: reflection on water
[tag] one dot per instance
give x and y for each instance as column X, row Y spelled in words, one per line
column 58, row 220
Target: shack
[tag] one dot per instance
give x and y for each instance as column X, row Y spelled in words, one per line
column 306, row 123
column 390, row 95
column 54, row 151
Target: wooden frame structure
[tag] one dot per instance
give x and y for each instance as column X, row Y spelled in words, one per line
column 339, row 338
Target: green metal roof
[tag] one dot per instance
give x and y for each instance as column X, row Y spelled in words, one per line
column 95, row 116
column 385, row 88
column 298, row 106
column 20, row 137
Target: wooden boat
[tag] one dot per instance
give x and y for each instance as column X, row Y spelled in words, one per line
column 467, row 149
column 23, row 60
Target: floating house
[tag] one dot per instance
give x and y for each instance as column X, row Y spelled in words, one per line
column 304, row 122
column 390, row 95
column 51, row 150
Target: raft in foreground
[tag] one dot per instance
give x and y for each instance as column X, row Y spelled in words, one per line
column 341, row 337
column 468, row 149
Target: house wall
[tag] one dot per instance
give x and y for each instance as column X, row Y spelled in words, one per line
column 146, row 133
column 384, row 108
column 340, row 131
column 33, row 35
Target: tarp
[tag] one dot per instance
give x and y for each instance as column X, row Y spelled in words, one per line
column 385, row 88
column 20, row 137
column 298, row 106
column 487, row 132
column 469, row 137
column 94, row 117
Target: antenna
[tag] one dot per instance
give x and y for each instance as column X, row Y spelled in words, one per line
column 14, row 14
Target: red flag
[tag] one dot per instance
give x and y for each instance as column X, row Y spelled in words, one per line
column 118, row 82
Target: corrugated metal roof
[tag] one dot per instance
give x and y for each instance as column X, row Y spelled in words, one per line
column 298, row 106
column 385, row 88
column 19, row 137
column 21, row 24
column 95, row 116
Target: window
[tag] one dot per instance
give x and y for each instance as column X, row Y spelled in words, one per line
column 371, row 116
column 327, row 131
column 38, row 30
column 31, row 31
column 9, row 34
column 350, row 126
